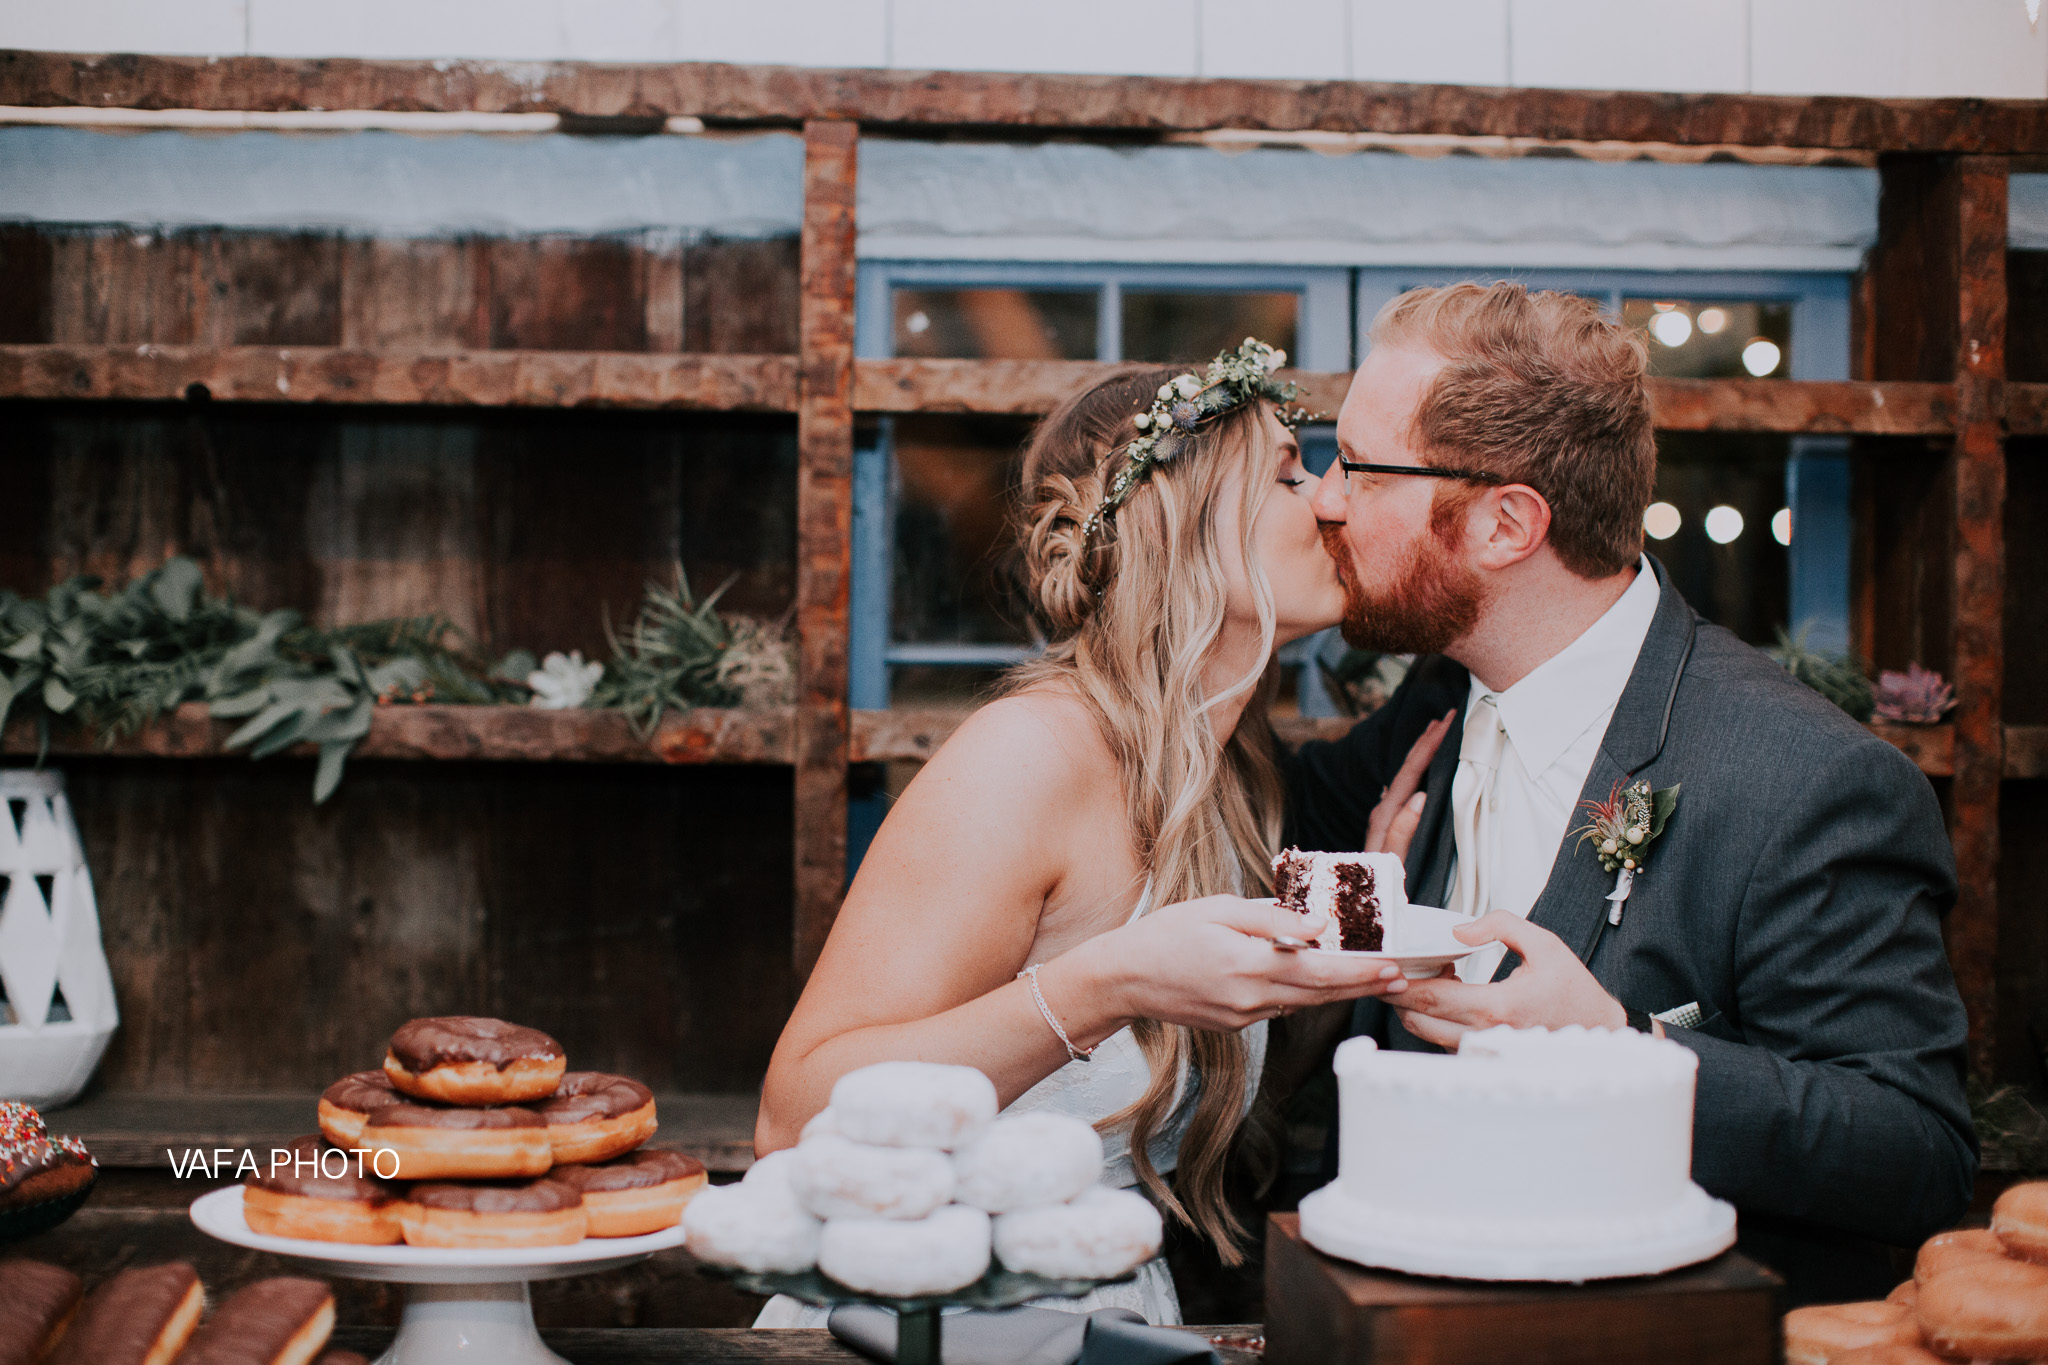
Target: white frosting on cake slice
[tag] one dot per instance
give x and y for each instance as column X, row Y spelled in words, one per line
column 1333, row 883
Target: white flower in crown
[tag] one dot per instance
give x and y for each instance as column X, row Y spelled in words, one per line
column 1187, row 386
column 563, row 682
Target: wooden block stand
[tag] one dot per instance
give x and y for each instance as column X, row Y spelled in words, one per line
column 1321, row 1311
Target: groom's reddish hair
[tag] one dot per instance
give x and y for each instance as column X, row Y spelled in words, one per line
column 1543, row 389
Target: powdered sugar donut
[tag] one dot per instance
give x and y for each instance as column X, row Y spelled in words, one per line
column 1098, row 1236
column 913, row 1104
column 933, row 1255
column 837, row 1178
column 822, row 1123
column 772, row 1172
column 753, row 1227
column 1025, row 1160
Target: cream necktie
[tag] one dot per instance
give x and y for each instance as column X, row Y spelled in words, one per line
column 1472, row 820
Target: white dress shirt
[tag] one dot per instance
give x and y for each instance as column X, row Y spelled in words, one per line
column 1524, row 758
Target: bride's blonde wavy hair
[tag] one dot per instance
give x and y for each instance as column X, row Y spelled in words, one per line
column 1132, row 613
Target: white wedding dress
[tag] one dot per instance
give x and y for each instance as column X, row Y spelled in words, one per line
column 1115, row 1078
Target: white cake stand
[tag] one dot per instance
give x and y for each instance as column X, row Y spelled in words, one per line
column 461, row 1307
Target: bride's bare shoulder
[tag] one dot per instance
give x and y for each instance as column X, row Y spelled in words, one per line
column 1045, row 732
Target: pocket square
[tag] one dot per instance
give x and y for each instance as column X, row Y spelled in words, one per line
column 1681, row 1016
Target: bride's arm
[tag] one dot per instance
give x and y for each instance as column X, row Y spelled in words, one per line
column 923, row 958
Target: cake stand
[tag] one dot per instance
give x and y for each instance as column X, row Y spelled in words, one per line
column 917, row 1318
column 461, row 1306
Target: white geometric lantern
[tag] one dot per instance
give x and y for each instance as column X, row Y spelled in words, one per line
column 59, row 1013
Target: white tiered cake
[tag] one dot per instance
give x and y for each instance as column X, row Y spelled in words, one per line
column 1530, row 1155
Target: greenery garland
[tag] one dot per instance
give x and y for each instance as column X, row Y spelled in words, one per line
column 112, row 662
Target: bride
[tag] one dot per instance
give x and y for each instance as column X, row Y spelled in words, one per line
column 1058, row 897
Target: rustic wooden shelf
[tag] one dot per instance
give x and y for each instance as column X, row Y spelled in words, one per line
column 1020, row 103
column 323, row 374
column 159, row 1131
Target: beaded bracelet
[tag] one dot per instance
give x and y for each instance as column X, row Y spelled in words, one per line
column 1076, row 1053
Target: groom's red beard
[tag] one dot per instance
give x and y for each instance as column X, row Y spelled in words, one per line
column 1435, row 602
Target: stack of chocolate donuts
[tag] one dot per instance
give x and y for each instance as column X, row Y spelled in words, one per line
column 474, row 1134
column 1976, row 1294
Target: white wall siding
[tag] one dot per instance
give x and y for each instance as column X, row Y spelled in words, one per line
column 1452, row 42
column 1135, row 37
column 1629, row 44
column 1300, row 39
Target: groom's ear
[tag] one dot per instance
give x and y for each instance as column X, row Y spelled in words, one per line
column 1514, row 524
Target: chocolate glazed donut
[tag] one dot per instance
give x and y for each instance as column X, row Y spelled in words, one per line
column 41, row 1300
column 638, row 1193
column 140, row 1317
column 350, row 1100
column 463, row 1059
column 594, row 1117
column 281, row 1321
column 320, row 1193
column 498, row 1213
column 432, row 1143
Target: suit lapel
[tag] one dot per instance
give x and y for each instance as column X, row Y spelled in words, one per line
column 1574, row 901
column 1433, row 849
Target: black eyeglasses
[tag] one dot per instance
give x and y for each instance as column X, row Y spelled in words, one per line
column 1427, row 471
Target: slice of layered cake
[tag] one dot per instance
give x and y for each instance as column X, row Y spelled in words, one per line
column 1360, row 892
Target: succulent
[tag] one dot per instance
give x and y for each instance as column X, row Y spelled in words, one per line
column 1919, row 696
column 1838, row 677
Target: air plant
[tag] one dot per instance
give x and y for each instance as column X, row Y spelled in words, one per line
column 1838, row 677
column 1919, row 696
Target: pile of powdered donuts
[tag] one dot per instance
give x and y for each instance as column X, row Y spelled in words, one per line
column 1977, row 1294
column 474, row 1134
column 907, row 1182
column 151, row 1315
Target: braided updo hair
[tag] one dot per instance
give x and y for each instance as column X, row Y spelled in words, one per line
column 1132, row 613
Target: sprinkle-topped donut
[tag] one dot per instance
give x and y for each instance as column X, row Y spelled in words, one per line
column 465, row 1059
column 35, row 1167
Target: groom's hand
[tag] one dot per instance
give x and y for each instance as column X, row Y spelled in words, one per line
column 1551, row 988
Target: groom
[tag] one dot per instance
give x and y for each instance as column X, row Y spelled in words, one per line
column 1785, row 923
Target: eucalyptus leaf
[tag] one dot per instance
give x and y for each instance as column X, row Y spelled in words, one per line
column 27, row 647
column 176, row 587
column 1662, row 803
column 327, row 775
column 241, row 704
column 57, row 696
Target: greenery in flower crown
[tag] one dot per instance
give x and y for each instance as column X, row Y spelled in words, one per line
column 1185, row 403
column 113, row 661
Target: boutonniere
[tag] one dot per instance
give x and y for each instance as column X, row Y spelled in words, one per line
column 1622, row 829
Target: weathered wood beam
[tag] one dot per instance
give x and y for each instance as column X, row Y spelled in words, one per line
column 479, row 733
column 1020, row 102
column 1792, row 406
column 267, row 374
column 824, row 509
column 2026, row 409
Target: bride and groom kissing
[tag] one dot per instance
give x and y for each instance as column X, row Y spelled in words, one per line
column 1066, row 896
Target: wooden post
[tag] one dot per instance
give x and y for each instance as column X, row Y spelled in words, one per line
column 1979, row 623
column 1937, row 311
column 824, row 509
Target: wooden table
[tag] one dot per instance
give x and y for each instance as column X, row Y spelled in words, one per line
column 713, row 1346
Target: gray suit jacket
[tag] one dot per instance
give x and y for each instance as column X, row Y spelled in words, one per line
column 1796, row 895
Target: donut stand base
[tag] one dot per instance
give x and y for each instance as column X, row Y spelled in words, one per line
column 468, row 1322
column 917, row 1337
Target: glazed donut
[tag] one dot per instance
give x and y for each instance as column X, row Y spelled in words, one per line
column 42, row 1301
column 493, row 1213
column 350, row 1100
column 461, row 1059
column 1816, row 1335
column 1100, row 1235
column 1905, row 1291
column 835, row 1177
column 282, row 1321
column 595, row 1117
column 140, row 1317
column 1892, row 1353
column 1947, row 1250
column 2020, row 1221
column 1025, row 1160
column 1987, row 1310
column 322, row 1194
column 431, row 1143
column 907, row 1256
column 913, row 1104
column 639, row 1192
column 752, row 1227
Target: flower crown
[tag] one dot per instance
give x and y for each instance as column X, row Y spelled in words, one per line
column 1185, row 403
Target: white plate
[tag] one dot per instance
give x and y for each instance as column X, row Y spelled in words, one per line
column 1419, row 943
column 219, row 1214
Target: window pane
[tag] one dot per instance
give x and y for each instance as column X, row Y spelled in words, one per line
column 1723, row 492
column 996, row 324
column 1711, row 339
column 951, row 572
column 1163, row 328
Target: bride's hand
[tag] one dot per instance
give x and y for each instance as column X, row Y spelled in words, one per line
column 1212, row 964
column 1399, row 810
